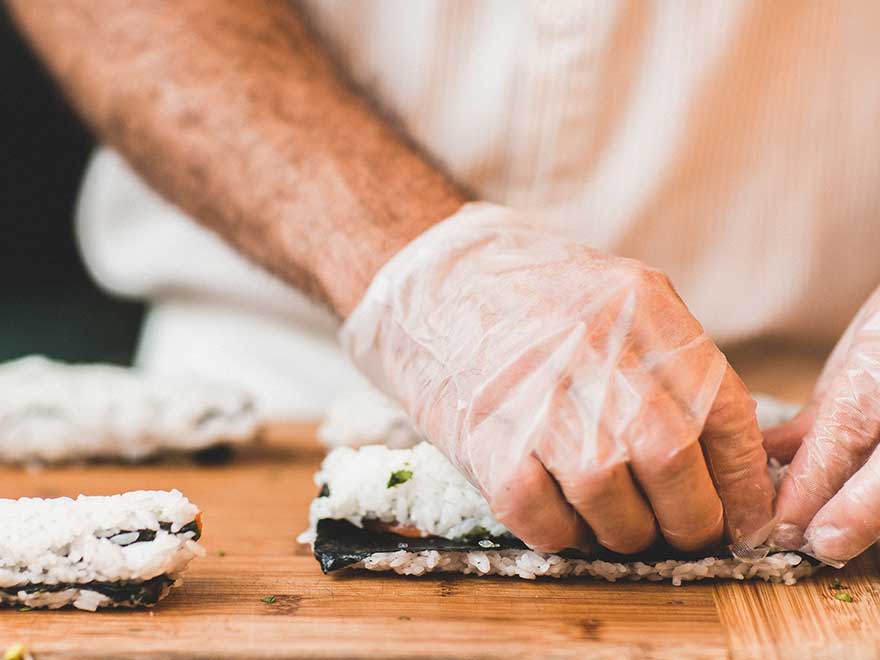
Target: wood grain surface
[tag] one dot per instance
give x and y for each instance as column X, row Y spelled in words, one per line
column 254, row 507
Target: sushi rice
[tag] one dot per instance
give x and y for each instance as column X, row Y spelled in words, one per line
column 90, row 552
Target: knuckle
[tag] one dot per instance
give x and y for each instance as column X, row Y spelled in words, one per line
column 662, row 280
column 735, row 421
column 645, row 277
column 669, row 468
column 515, row 494
column 735, row 409
column 747, row 463
column 595, row 486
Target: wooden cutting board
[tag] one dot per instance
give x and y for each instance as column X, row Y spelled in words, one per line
column 254, row 508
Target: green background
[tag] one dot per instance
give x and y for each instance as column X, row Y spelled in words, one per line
column 48, row 304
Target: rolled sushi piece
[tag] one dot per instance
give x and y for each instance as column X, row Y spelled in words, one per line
column 365, row 416
column 410, row 511
column 125, row 550
column 55, row 412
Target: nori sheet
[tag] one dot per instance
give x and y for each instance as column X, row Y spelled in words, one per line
column 339, row 544
column 147, row 592
column 150, row 534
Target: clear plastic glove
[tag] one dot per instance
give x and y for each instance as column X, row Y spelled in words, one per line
column 829, row 499
column 572, row 387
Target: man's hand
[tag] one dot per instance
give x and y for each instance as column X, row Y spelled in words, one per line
column 829, row 499
column 572, row 387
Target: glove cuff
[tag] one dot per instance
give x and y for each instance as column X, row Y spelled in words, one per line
column 472, row 225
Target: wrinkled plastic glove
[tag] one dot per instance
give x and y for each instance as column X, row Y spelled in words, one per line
column 829, row 499
column 573, row 388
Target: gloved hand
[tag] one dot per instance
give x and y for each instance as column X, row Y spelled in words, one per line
column 829, row 499
column 573, row 388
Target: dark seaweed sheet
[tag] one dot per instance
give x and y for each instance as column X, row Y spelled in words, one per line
column 150, row 534
column 339, row 543
column 147, row 592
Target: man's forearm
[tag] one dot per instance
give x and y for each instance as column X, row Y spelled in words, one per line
column 234, row 112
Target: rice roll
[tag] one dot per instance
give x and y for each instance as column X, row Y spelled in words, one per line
column 410, row 511
column 125, row 550
column 54, row 412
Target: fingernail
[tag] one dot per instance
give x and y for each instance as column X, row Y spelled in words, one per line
column 758, row 536
column 787, row 537
column 819, row 542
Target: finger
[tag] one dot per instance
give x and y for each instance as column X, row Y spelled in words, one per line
column 783, row 440
column 737, row 461
column 608, row 500
column 668, row 463
column 683, row 497
column 840, row 441
column 591, row 469
column 850, row 523
column 531, row 506
column 852, row 337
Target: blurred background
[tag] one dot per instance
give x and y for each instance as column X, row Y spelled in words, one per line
column 49, row 304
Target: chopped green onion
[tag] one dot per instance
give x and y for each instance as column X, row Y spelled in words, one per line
column 399, row 477
column 844, row 597
column 269, row 599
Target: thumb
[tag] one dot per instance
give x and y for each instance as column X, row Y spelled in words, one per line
column 783, row 440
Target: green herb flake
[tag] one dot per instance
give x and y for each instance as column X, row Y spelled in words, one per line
column 25, row 609
column 844, row 597
column 835, row 584
column 269, row 599
column 221, row 553
column 399, row 477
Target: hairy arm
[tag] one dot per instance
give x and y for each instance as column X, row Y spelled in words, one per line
column 234, row 112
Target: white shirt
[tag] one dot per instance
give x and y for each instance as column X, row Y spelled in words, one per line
column 733, row 144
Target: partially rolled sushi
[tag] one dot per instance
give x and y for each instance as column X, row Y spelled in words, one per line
column 410, row 511
column 55, row 412
column 125, row 550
